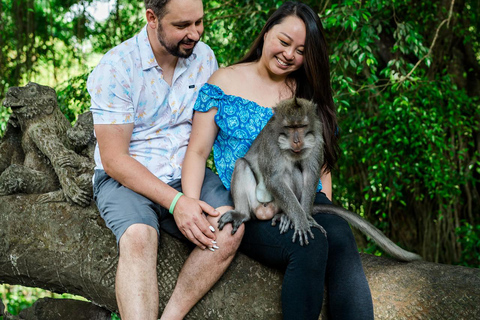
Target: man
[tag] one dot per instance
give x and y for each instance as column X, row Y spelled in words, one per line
column 143, row 92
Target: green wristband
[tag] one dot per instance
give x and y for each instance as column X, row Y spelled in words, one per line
column 174, row 202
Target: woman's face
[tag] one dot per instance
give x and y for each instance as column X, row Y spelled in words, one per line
column 284, row 45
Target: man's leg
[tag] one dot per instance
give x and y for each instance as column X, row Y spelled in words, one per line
column 133, row 220
column 136, row 280
column 202, row 270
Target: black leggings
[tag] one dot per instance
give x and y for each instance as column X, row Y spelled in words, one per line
column 334, row 260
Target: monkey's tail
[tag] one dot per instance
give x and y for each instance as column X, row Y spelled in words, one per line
column 370, row 230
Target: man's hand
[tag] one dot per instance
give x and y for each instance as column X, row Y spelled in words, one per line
column 191, row 221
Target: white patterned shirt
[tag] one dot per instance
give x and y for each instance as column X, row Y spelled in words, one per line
column 127, row 86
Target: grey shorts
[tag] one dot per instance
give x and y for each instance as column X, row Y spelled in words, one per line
column 121, row 207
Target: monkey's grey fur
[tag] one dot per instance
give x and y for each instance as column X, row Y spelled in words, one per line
column 277, row 178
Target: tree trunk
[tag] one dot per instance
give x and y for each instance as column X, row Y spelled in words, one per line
column 65, row 248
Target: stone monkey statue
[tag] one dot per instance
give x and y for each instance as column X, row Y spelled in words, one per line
column 83, row 140
column 48, row 153
column 277, row 178
column 11, row 145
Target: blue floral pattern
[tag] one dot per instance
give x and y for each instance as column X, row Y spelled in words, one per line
column 239, row 121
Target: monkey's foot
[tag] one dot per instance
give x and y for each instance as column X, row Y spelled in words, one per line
column 285, row 222
column 302, row 235
column 314, row 224
column 303, row 229
column 236, row 218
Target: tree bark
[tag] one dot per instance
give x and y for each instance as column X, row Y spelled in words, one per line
column 65, row 248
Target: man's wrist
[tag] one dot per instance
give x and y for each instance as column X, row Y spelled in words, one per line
column 174, row 202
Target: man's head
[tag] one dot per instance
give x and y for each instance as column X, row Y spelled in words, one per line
column 157, row 6
column 179, row 24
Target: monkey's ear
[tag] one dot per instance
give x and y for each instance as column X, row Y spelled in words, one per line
column 295, row 102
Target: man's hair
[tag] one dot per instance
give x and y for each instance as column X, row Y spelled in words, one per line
column 158, row 7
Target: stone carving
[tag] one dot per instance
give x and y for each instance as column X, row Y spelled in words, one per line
column 41, row 153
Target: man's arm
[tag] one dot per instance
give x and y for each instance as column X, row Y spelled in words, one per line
column 114, row 141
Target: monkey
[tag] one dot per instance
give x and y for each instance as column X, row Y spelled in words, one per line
column 82, row 138
column 277, row 179
column 42, row 132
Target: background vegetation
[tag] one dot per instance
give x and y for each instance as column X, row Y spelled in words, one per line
column 406, row 76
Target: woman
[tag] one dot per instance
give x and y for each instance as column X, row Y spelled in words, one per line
column 288, row 58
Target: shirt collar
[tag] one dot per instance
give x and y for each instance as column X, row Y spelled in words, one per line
column 147, row 56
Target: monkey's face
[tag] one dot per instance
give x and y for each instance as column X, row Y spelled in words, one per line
column 82, row 132
column 30, row 100
column 296, row 138
column 283, row 46
column 298, row 127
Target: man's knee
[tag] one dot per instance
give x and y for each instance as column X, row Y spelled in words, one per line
column 229, row 243
column 139, row 240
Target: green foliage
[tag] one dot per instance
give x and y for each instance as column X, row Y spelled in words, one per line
column 125, row 20
column 408, row 128
column 18, row 298
column 73, row 97
column 41, row 40
column 4, row 115
column 469, row 238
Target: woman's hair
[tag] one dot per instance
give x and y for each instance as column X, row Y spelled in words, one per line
column 312, row 79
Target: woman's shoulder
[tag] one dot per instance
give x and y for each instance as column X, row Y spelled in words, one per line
column 229, row 78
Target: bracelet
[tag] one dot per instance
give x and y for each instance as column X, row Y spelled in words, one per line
column 174, row 202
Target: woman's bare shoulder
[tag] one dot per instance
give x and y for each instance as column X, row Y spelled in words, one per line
column 228, row 78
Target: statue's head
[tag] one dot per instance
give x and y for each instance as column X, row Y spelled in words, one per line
column 31, row 100
column 82, row 132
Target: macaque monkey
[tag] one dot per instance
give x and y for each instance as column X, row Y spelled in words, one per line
column 277, row 179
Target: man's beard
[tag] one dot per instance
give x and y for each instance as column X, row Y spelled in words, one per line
column 174, row 49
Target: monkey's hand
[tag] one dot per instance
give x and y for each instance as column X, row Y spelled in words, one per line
column 54, row 196
column 234, row 217
column 68, row 159
column 285, row 222
column 73, row 193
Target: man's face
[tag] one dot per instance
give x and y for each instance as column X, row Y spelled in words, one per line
column 181, row 27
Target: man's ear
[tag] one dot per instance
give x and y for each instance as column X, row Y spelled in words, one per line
column 152, row 20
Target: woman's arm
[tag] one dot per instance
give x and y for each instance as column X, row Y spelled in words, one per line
column 327, row 184
column 204, row 132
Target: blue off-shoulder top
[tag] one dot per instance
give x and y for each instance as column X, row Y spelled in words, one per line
column 239, row 121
